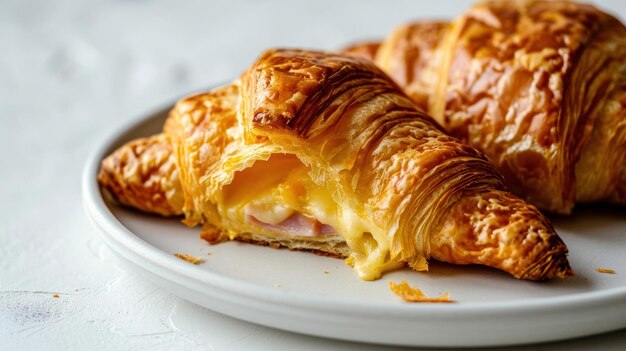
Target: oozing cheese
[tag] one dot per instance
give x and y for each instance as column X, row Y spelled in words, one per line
column 272, row 191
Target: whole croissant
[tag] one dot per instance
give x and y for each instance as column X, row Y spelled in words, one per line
column 538, row 86
column 323, row 152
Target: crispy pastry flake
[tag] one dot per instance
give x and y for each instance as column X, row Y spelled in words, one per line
column 189, row 258
column 413, row 294
column 605, row 270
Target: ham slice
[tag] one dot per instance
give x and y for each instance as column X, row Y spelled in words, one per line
column 296, row 224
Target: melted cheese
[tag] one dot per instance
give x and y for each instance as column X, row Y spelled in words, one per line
column 275, row 189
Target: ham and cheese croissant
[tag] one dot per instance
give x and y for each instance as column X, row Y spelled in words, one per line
column 538, row 86
column 323, row 152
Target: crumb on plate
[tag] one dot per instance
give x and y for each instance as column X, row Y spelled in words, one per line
column 326, row 272
column 189, row 258
column 413, row 294
column 605, row 270
column 277, row 285
column 56, row 296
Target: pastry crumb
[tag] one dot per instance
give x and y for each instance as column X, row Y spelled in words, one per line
column 189, row 258
column 326, row 272
column 413, row 294
column 56, row 296
column 605, row 270
column 209, row 253
column 275, row 245
column 277, row 285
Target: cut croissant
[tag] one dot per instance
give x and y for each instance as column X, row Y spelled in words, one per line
column 538, row 86
column 322, row 152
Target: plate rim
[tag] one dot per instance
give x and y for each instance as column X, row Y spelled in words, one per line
column 112, row 229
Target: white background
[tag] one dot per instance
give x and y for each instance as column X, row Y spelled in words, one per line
column 71, row 72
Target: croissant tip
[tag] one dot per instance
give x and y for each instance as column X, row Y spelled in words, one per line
column 560, row 270
column 554, row 266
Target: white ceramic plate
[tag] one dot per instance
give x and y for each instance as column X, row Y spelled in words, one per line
column 321, row 296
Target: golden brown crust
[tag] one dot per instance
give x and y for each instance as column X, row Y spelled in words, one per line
column 142, row 174
column 288, row 89
column 378, row 155
column 365, row 49
column 534, row 85
column 528, row 100
column 501, row 231
column 410, row 56
column 209, row 122
column 618, row 196
column 598, row 173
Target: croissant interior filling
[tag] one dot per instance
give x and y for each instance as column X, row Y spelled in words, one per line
column 278, row 198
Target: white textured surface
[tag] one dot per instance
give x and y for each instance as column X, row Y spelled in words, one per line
column 73, row 70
